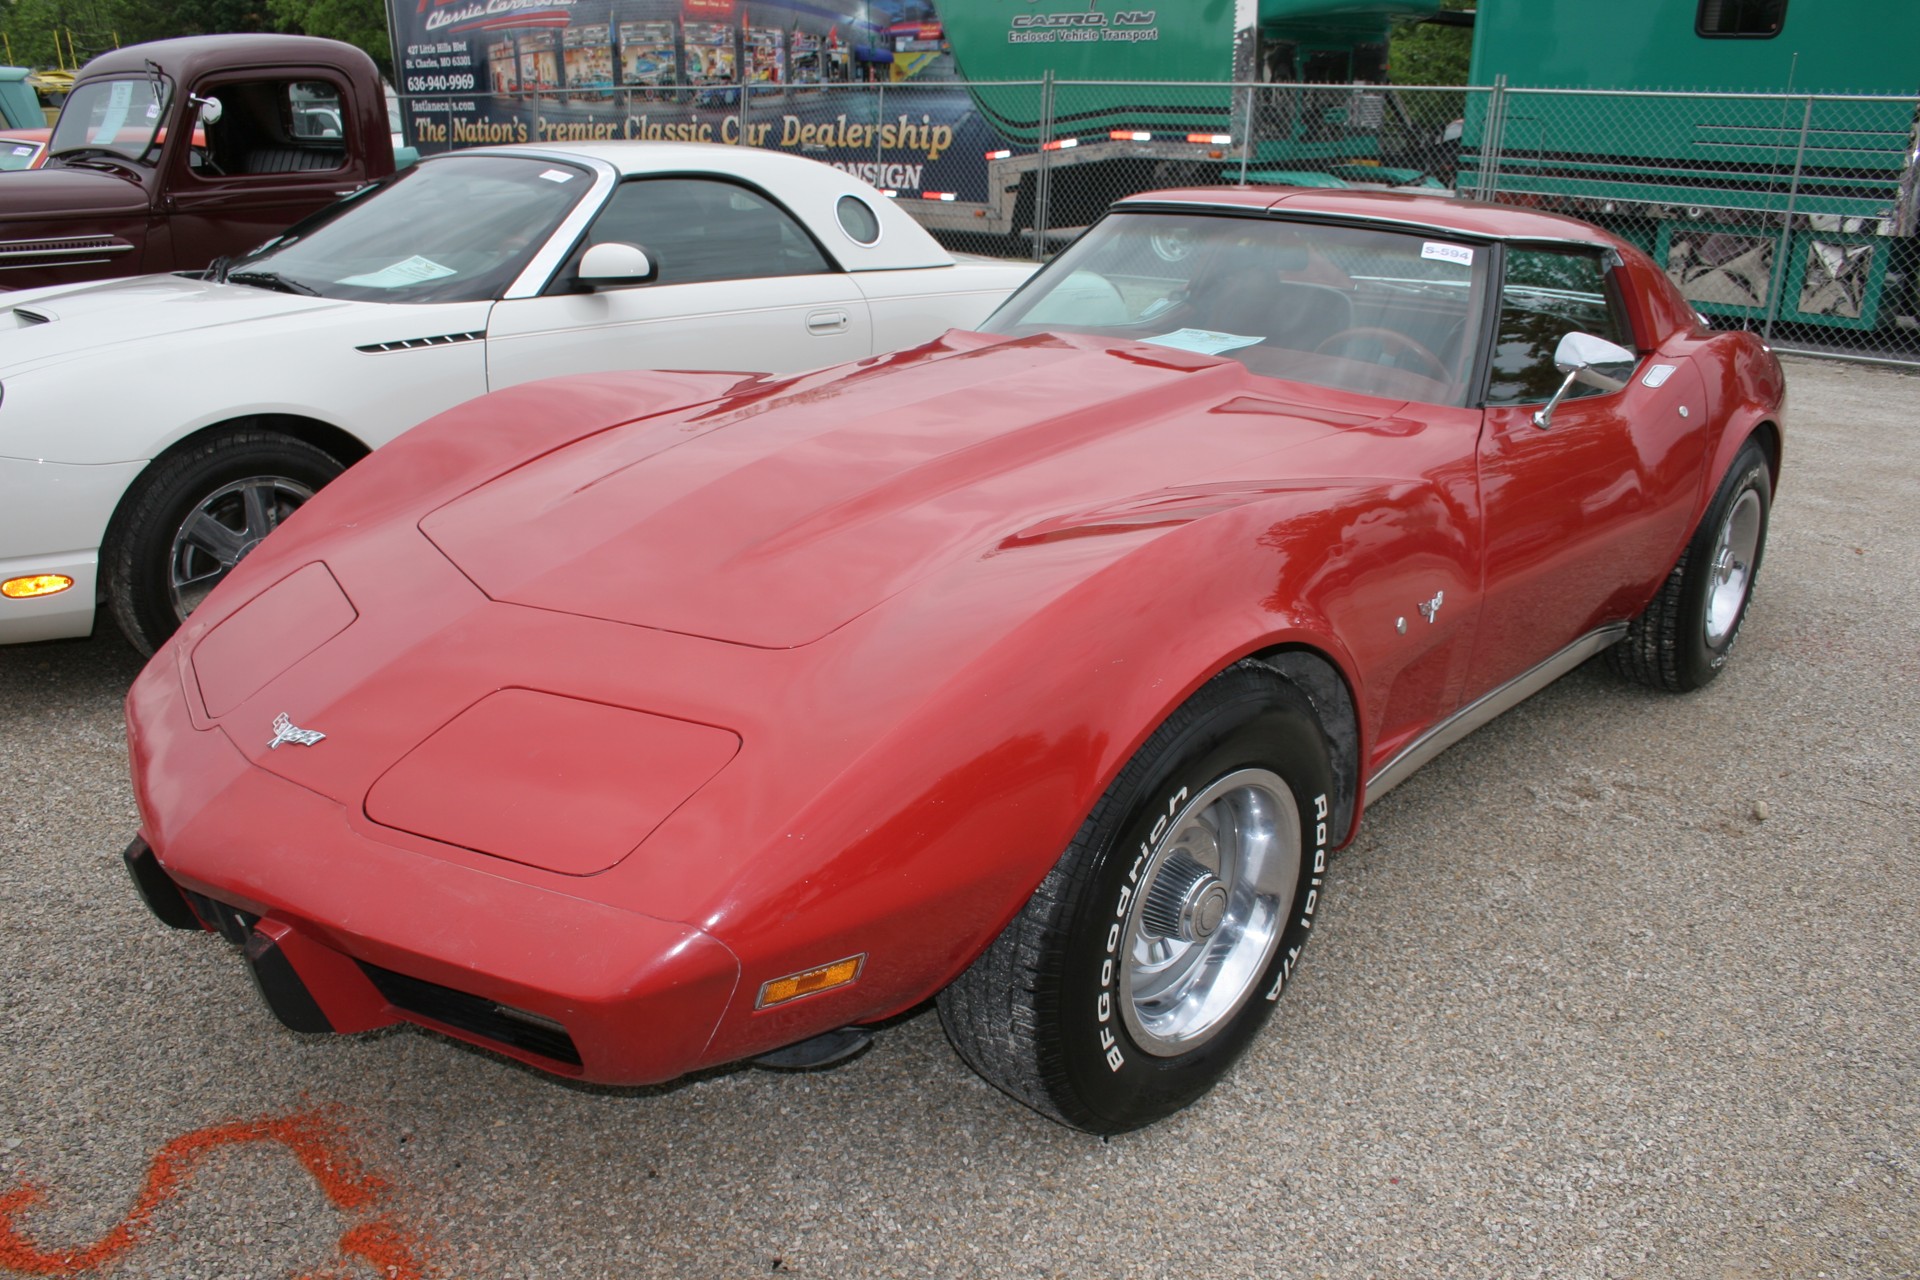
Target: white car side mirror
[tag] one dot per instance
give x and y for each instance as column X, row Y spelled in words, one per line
column 612, row 263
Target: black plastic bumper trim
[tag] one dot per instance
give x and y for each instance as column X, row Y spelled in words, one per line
column 156, row 888
column 475, row 1015
column 281, row 987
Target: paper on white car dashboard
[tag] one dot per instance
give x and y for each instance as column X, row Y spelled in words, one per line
column 415, row 270
column 1208, row 342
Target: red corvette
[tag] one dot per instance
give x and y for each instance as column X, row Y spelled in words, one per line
column 631, row 725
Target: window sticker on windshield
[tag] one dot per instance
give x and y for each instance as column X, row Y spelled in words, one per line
column 23, row 151
column 153, row 111
column 1447, row 253
column 119, row 101
column 415, row 270
column 1208, row 342
column 557, row 175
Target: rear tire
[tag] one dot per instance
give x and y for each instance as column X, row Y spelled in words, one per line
column 194, row 515
column 1153, row 951
column 1685, row 635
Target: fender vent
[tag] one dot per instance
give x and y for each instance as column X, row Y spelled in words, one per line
column 30, row 317
column 414, row 344
column 474, row 1015
column 62, row 247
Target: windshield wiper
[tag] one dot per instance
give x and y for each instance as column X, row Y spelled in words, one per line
column 272, row 280
column 95, row 155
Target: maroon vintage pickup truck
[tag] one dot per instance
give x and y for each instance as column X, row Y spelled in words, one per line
column 171, row 154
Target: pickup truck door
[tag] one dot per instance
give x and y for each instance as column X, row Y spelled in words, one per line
column 741, row 285
column 282, row 148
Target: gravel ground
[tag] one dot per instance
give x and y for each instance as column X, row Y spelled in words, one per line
column 1623, row 986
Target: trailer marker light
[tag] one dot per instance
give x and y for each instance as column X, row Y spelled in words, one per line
column 936, row 195
column 1060, row 144
column 999, row 155
column 34, row 585
column 1129, row 135
column 1220, row 139
column 810, row 981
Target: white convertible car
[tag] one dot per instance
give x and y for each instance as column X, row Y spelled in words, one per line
column 153, row 430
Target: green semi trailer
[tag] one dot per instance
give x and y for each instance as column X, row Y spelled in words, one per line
column 1159, row 96
column 1759, row 197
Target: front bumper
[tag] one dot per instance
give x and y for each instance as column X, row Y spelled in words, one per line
column 53, row 518
column 344, row 932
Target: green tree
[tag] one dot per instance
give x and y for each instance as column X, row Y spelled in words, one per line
column 1426, row 53
column 357, row 22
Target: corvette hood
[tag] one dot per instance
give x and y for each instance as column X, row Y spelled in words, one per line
column 773, row 524
column 49, row 325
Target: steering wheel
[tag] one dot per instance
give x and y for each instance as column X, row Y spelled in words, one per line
column 1393, row 342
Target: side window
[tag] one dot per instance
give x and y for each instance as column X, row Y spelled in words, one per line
column 700, row 230
column 1754, row 19
column 265, row 127
column 1547, row 294
column 313, row 110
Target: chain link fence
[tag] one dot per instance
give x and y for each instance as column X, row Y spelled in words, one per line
column 1791, row 215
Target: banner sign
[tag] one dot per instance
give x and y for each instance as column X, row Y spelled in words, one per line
column 757, row 73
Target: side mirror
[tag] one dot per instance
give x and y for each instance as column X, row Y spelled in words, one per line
column 210, row 110
column 1575, row 356
column 612, row 263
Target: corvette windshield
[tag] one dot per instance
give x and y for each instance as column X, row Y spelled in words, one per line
column 458, row 229
column 120, row 116
column 1384, row 313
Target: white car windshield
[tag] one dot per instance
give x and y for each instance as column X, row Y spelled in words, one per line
column 453, row 229
column 119, row 116
column 1385, row 313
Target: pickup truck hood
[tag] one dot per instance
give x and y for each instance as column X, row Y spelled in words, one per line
column 38, row 194
column 49, row 325
column 773, row 524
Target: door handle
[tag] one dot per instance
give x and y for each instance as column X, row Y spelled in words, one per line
column 824, row 322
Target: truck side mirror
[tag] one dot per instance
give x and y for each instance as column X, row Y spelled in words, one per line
column 612, row 263
column 1575, row 356
column 209, row 109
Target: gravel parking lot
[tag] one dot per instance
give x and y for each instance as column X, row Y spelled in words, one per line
column 1625, row 985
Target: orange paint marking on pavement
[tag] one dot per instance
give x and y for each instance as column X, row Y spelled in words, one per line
column 319, row 1144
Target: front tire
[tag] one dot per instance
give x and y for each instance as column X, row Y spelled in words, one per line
column 195, row 515
column 1151, row 954
column 1685, row 635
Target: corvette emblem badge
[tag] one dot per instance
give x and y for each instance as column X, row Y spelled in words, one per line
column 1431, row 609
column 284, row 730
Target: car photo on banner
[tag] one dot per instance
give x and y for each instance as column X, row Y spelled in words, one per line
column 154, row 429
column 635, row 724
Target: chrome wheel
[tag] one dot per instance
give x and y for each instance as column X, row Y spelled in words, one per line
column 1215, row 896
column 219, row 532
column 1731, row 573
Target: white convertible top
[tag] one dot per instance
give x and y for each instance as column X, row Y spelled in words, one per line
column 811, row 189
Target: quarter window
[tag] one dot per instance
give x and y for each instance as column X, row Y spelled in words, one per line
column 1751, row 18
column 1547, row 294
column 700, row 230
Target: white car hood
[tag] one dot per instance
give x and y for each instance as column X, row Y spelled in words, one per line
column 39, row 327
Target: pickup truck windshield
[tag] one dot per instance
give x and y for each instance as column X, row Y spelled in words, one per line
column 451, row 229
column 119, row 116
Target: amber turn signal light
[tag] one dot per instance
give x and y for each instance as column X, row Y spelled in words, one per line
column 811, row 981
column 35, row 584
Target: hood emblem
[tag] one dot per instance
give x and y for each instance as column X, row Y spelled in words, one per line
column 284, row 730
